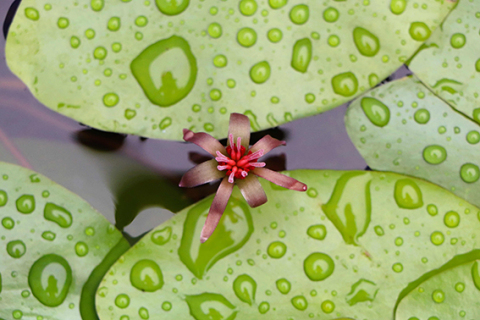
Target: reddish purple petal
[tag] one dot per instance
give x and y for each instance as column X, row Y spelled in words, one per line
column 204, row 141
column 239, row 126
column 252, row 191
column 266, row 144
column 216, row 209
column 202, row 173
column 280, row 179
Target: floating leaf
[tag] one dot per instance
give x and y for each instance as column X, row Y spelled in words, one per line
column 56, row 249
column 449, row 63
column 153, row 68
column 281, row 271
column 449, row 292
column 424, row 138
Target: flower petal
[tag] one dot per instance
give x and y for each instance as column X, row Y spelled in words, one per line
column 216, row 209
column 239, row 126
column 266, row 144
column 202, row 173
column 252, row 191
column 280, row 179
column 204, row 141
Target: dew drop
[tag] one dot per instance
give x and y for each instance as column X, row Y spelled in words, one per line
column 438, row 296
column 434, row 154
column 419, row 31
column 260, row 72
column 172, row 8
column 141, row 21
column 17, row 314
column 376, row 111
column 49, row 279
column 283, row 285
column 248, row 7
column 451, row 219
column 345, row 84
column 215, row 94
column 3, row 198
column 432, row 210
column 366, row 42
column 75, row 42
column 48, row 235
column 220, row 61
column 333, row 40
column 89, row 231
column 328, row 306
column 477, row 65
column 299, row 14
column 437, row 238
column 277, row 249
column 90, row 34
column 397, row 267
column 379, row 231
column 407, row 194
column 114, row 24
column 122, row 301
column 166, row 306
column 97, row 5
column 173, row 84
column 245, row 288
column 277, row 4
column 143, row 313
column 398, row 6
column 469, row 172
column 318, row 231
column 458, row 40
column 215, row 30
column 8, row 223
column 263, row 307
column 146, row 275
column 116, row 47
column 275, row 35
column 299, row 302
column 422, row 116
column 81, row 249
column 318, row 266
column 110, row 99
column 459, row 287
column 165, row 123
column 25, row 204
column 247, row 37
column 100, row 53
column 32, row 13
column 16, row 249
column 63, row 23
column 302, row 55
column 57, row 214
column 399, row 241
column 476, row 274
column 331, row 14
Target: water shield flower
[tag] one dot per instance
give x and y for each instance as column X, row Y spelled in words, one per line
column 238, row 165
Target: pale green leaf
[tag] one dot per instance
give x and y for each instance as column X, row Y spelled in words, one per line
column 350, row 248
column 55, row 249
column 152, row 68
column 449, row 63
column 420, row 135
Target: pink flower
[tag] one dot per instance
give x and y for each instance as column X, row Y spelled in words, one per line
column 236, row 164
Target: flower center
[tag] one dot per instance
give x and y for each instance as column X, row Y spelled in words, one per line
column 238, row 162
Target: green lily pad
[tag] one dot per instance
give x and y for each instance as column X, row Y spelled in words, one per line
column 56, row 249
column 457, row 284
column 349, row 248
column 405, row 128
column 152, row 68
column 449, row 62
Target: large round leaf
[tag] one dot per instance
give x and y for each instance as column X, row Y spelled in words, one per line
column 347, row 248
column 449, row 62
column 404, row 127
column 154, row 67
column 55, row 249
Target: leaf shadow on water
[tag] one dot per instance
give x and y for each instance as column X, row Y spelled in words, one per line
column 100, row 140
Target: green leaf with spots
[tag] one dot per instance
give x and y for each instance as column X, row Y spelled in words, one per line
column 352, row 247
column 449, row 62
column 56, row 249
column 420, row 135
column 148, row 69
